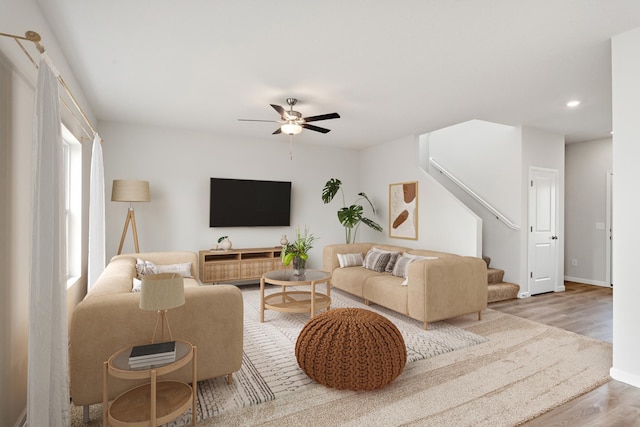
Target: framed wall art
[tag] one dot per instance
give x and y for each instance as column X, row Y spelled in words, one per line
column 403, row 210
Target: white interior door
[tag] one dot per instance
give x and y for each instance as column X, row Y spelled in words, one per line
column 543, row 239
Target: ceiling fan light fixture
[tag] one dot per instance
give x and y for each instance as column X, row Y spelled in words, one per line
column 291, row 128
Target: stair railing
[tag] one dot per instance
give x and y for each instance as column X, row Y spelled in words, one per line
column 473, row 194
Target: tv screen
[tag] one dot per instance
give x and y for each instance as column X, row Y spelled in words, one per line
column 249, row 203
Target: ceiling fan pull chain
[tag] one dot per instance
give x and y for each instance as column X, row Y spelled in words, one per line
column 290, row 147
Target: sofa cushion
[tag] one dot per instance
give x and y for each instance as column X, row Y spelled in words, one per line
column 387, row 291
column 352, row 279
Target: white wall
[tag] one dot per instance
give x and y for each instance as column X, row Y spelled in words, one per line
column 486, row 157
column 444, row 223
column 587, row 166
column 178, row 164
column 626, row 231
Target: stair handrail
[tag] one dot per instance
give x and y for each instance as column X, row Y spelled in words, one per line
column 473, row 194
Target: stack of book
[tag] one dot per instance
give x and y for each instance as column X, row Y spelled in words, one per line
column 148, row 355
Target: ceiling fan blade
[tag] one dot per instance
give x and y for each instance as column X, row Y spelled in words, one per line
column 279, row 109
column 316, row 128
column 253, row 120
column 322, row 117
column 277, row 131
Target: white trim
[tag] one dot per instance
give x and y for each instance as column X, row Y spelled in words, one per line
column 524, row 294
column 625, row 377
column 609, row 229
column 586, row 281
column 473, row 194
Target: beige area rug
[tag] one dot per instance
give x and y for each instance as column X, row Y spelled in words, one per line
column 269, row 367
column 523, row 369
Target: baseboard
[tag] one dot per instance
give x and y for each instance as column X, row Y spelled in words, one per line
column 524, row 295
column 586, row 281
column 625, row 377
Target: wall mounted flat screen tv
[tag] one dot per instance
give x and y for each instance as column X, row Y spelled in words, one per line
column 249, row 203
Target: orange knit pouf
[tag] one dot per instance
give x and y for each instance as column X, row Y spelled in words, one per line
column 351, row 348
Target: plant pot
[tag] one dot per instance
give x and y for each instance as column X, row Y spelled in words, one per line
column 299, row 266
column 226, row 244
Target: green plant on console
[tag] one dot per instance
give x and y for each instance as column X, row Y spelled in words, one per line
column 299, row 247
column 349, row 216
column 220, row 239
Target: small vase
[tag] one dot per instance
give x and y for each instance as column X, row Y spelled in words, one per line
column 299, row 266
column 226, row 244
column 283, row 240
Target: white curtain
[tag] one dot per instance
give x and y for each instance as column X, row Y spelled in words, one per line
column 96, row 215
column 48, row 386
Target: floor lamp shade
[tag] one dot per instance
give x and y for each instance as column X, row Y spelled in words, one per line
column 161, row 292
column 130, row 190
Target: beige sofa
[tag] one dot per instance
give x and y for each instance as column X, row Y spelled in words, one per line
column 436, row 289
column 109, row 319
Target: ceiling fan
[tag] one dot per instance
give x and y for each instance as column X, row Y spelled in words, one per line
column 292, row 121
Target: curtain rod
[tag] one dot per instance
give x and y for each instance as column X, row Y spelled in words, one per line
column 35, row 38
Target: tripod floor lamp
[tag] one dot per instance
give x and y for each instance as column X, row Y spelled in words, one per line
column 129, row 190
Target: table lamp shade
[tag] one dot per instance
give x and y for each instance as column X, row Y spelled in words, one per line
column 130, row 190
column 162, row 291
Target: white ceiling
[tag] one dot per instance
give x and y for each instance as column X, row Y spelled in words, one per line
column 390, row 69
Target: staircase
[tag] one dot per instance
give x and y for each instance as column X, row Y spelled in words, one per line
column 498, row 289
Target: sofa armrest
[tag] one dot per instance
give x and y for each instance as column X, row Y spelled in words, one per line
column 446, row 287
column 330, row 252
column 211, row 319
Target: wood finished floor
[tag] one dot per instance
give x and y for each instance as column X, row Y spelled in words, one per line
column 586, row 310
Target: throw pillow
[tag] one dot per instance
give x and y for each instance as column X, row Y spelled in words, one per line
column 350, row 260
column 182, row 269
column 401, row 267
column 376, row 260
column 137, row 285
column 147, row 267
column 144, row 267
column 392, row 258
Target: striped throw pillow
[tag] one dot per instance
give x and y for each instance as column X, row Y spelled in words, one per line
column 350, row 260
column 376, row 260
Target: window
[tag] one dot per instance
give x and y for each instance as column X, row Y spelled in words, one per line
column 72, row 152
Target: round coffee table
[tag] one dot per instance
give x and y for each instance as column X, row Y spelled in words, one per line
column 295, row 301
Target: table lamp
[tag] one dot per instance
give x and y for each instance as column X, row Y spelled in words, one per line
column 161, row 292
column 129, row 190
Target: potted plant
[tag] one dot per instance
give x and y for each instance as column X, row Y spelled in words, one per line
column 297, row 251
column 349, row 216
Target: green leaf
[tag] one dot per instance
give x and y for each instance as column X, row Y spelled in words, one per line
column 367, row 199
column 287, row 258
column 371, row 224
column 350, row 216
column 330, row 190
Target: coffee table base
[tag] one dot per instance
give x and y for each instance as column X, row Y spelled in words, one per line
column 296, row 302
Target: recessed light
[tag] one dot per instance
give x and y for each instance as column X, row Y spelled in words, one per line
column 573, row 103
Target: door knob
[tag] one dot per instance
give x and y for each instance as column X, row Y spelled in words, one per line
column 554, row 237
